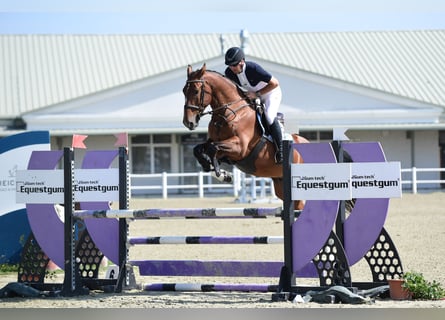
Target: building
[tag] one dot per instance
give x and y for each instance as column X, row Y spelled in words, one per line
column 384, row 86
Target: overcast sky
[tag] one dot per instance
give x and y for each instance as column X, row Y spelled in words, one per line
column 208, row 16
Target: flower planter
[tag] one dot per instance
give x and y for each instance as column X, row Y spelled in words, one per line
column 396, row 291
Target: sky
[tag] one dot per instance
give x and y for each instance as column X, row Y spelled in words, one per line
column 216, row 16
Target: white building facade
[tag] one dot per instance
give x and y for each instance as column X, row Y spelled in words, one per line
column 397, row 98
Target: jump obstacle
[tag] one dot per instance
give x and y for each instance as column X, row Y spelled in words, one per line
column 329, row 262
column 84, row 251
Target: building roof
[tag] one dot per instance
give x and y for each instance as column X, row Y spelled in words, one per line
column 37, row 71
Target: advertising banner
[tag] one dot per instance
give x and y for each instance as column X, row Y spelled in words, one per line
column 47, row 186
column 344, row 181
column 321, row 181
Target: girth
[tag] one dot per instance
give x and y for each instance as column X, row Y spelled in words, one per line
column 248, row 163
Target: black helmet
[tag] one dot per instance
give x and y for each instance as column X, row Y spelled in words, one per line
column 233, row 56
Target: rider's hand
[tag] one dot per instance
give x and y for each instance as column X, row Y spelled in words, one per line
column 252, row 95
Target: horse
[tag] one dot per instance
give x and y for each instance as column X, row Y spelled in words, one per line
column 235, row 134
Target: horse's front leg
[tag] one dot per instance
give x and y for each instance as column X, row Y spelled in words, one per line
column 207, row 156
column 200, row 153
column 227, row 150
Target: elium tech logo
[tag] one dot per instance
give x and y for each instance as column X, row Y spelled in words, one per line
column 8, row 183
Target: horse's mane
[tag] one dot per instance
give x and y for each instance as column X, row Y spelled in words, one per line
column 223, row 76
column 241, row 90
column 217, row 72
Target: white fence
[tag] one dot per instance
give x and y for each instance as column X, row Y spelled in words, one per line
column 247, row 188
column 416, row 179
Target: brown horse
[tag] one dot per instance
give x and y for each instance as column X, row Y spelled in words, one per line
column 235, row 135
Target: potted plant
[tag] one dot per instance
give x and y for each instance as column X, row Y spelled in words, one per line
column 420, row 288
column 397, row 291
column 413, row 285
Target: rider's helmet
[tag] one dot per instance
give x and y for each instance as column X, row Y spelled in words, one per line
column 233, row 56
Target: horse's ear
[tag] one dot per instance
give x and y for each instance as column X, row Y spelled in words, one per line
column 202, row 70
column 189, row 71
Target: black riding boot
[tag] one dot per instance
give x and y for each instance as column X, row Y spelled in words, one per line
column 277, row 136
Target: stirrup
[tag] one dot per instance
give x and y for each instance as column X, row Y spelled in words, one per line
column 278, row 159
column 278, row 156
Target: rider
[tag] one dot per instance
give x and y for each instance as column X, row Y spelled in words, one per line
column 260, row 84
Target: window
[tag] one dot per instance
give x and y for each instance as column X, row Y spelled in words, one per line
column 141, row 159
column 189, row 162
column 151, row 153
column 317, row 136
column 188, row 142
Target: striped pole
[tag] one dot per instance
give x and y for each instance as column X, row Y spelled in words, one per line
column 180, row 212
column 211, row 268
column 206, row 240
column 248, row 287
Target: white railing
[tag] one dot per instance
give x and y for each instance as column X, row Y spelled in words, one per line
column 246, row 188
column 414, row 181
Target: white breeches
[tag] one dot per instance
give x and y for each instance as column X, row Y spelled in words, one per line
column 272, row 101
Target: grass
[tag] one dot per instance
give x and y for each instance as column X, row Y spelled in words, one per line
column 8, row 268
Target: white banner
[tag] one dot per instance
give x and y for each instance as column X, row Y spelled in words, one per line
column 321, row 181
column 39, row 186
column 96, row 185
column 376, row 180
column 47, row 186
column 344, row 181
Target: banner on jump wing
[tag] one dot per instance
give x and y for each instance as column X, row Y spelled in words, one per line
column 321, row 181
column 47, row 186
column 344, row 181
column 376, row 180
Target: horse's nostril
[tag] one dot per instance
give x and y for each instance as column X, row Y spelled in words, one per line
column 189, row 125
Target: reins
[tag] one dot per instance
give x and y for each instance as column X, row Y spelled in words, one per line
column 214, row 111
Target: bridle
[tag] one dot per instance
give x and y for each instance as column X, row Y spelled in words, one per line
column 201, row 107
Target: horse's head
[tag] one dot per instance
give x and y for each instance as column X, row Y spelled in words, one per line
column 197, row 95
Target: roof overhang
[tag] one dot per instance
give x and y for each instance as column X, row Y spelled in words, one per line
column 203, row 129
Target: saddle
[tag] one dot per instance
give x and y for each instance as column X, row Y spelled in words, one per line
column 248, row 164
column 258, row 106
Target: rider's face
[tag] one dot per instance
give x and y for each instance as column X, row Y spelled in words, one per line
column 237, row 68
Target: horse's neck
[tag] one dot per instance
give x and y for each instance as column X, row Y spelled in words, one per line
column 228, row 95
